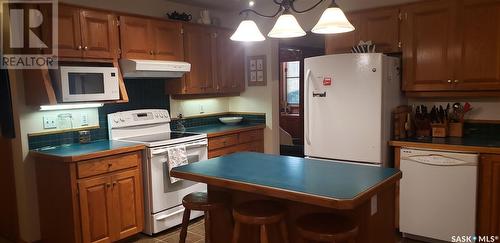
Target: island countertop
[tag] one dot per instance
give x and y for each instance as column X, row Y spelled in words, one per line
column 322, row 183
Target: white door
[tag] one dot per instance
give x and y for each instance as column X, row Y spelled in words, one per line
column 343, row 120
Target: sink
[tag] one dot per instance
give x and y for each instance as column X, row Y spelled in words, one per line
column 233, row 120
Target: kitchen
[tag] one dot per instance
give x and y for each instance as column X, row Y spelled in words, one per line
column 194, row 105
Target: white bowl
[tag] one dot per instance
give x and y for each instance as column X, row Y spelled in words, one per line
column 231, row 120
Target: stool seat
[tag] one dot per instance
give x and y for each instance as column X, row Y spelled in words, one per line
column 327, row 227
column 201, row 201
column 262, row 213
column 259, row 212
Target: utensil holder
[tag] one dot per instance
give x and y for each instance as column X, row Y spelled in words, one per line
column 456, row 129
column 439, row 130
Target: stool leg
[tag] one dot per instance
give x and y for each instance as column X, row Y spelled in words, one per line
column 263, row 234
column 207, row 227
column 284, row 231
column 236, row 232
column 185, row 224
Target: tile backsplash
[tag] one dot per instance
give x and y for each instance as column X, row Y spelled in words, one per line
column 143, row 94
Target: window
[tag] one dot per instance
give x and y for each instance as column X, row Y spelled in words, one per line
column 292, row 82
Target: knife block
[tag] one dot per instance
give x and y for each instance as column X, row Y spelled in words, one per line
column 456, row 129
column 439, row 130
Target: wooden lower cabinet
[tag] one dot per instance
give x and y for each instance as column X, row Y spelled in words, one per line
column 236, row 141
column 83, row 202
column 488, row 215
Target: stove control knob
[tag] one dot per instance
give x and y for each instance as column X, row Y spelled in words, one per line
column 156, row 115
column 116, row 120
column 161, row 115
column 122, row 119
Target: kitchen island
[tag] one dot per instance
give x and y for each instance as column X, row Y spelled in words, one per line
column 363, row 193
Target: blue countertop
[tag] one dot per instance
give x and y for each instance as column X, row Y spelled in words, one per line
column 221, row 128
column 71, row 152
column 465, row 141
column 326, row 179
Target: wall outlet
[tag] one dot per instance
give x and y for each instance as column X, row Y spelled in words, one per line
column 84, row 119
column 49, row 122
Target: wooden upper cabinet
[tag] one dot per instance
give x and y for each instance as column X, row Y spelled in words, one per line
column 230, row 64
column 478, row 62
column 99, row 34
column 343, row 42
column 428, row 35
column 69, row 35
column 381, row 27
column 489, row 196
column 127, row 203
column 167, row 41
column 135, row 38
column 199, row 46
column 96, row 209
column 85, row 33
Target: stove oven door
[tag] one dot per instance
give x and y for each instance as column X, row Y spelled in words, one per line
column 166, row 195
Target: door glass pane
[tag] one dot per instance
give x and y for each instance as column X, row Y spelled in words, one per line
column 292, row 94
column 86, row 83
column 293, row 82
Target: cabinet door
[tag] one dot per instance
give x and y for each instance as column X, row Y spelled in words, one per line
column 135, row 38
column 343, row 42
column 478, row 64
column 95, row 209
column 128, row 214
column 489, row 196
column 167, row 41
column 428, row 41
column 99, row 34
column 199, row 47
column 382, row 28
column 230, row 64
column 70, row 40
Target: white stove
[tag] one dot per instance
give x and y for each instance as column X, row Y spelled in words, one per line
column 162, row 199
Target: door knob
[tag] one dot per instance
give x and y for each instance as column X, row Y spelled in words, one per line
column 449, row 81
column 79, row 47
column 86, row 48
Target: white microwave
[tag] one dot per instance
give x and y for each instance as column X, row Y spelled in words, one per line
column 81, row 84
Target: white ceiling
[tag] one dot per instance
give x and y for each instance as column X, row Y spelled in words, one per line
column 236, row 5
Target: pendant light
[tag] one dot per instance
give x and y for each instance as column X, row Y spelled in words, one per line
column 286, row 27
column 247, row 31
column 333, row 21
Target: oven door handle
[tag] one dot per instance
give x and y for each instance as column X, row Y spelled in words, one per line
column 188, row 146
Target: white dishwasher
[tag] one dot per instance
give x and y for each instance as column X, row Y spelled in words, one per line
column 438, row 194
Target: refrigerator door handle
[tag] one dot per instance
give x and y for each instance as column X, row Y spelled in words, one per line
column 307, row 106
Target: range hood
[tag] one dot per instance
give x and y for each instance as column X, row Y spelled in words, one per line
column 135, row 68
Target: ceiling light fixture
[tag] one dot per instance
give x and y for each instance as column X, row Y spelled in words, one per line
column 332, row 21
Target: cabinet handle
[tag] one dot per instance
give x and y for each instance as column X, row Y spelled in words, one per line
column 86, row 48
column 79, row 47
column 456, row 81
column 449, row 81
column 108, row 185
column 151, row 53
column 114, row 183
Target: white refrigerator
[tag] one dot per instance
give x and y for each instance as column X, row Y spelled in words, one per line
column 348, row 101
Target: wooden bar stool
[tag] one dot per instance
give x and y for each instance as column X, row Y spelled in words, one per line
column 327, row 227
column 260, row 212
column 201, row 201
